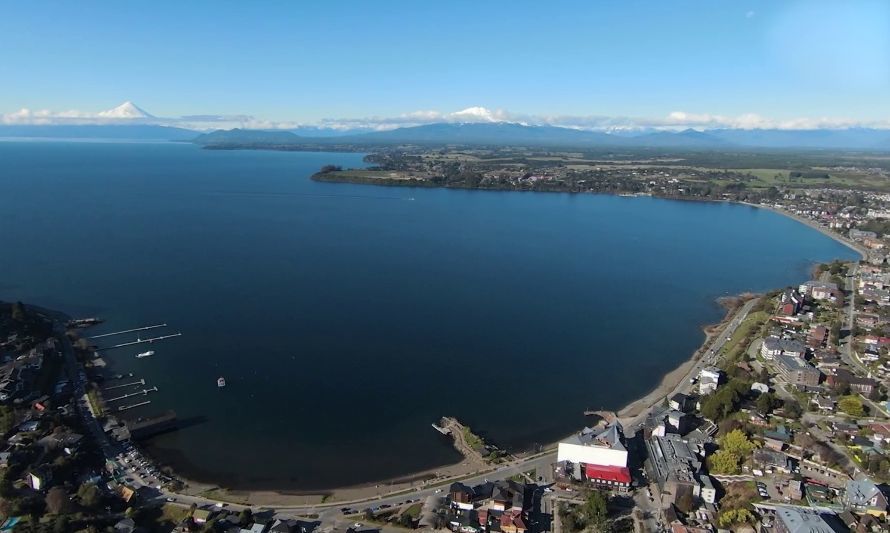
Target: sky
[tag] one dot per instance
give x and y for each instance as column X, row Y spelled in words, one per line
column 589, row 64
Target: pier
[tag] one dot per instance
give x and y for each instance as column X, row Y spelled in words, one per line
column 140, row 382
column 143, row 392
column 125, row 407
column 142, row 341
column 143, row 328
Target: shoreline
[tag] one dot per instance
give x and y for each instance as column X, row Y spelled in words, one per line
column 450, row 473
column 441, row 475
column 837, row 237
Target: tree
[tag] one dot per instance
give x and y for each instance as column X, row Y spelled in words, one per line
column 595, row 511
column 765, row 403
column 61, row 525
column 57, row 500
column 735, row 516
column 245, row 517
column 737, row 442
column 792, row 409
column 851, row 405
column 724, row 462
column 89, row 495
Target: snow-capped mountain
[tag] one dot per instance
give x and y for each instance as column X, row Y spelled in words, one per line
column 127, row 110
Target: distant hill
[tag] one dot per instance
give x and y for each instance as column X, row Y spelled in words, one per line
column 251, row 137
column 498, row 133
column 120, row 132
column 504, row 134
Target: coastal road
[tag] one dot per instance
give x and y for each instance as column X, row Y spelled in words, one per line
column 708, row 358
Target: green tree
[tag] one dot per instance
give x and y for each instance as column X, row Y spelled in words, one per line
column 765, row 403
column 851, row 405
column 738, row 443
column 792, row 409
column 595, row 512
column 89, row 495
column 724, row 462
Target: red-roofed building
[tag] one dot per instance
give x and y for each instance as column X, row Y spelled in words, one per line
column 608, row 477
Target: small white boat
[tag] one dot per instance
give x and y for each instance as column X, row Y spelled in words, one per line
column 145, row 354
column 221, row 382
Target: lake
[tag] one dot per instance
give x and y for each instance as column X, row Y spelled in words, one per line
column 348, row 318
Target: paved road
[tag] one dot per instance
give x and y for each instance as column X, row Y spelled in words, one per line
column 709, row 358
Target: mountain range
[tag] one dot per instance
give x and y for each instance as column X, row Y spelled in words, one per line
column 510, row 134
column 130, row 122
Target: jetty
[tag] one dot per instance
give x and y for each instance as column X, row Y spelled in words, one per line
column 125, row 407
column 143, row 328
column 140, row 382
column 143, row 392
column 142, row 341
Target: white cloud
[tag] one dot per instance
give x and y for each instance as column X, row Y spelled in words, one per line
column 129, row 113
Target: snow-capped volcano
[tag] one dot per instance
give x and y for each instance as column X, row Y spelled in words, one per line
column 126, row 110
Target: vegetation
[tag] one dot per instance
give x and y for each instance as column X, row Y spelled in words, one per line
column 592, row 515
column 726, row 400
column 851, row 405
column 735, row 517
column 735, row 446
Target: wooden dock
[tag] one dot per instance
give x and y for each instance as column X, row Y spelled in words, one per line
column 142, row 341
column 143, row 328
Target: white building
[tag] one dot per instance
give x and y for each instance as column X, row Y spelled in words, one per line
column 602, row 448
column 708, row 379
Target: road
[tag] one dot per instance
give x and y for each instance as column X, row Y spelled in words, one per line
column 709, row 358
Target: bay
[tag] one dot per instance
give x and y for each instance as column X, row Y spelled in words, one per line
column 347, row 318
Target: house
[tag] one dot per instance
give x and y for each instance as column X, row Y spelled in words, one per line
column 823, row 403
column 708, row 492
column 777, row 439
column 127, row 525
column 40, row 477
column 795, row 489
column 863, row 496
column 461, row 496
column 772, row 460
column 817, row 337
column 760, row 387
column 863, row 386
column 804, row 520
column 201, row 516
column 791, row 302
column 708, row 379
column 681, row 402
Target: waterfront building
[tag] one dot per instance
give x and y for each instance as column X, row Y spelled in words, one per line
column 708, row 379
column 597, row 456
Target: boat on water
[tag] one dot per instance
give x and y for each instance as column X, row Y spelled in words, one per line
column 221, row 382
column 145, row 354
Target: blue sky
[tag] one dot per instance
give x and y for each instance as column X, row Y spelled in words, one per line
column 311, row 61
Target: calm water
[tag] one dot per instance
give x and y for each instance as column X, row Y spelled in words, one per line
column 347, row 318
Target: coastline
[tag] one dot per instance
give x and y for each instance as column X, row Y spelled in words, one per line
column 443, row 475
column 818, row 227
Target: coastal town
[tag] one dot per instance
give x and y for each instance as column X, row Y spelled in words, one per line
column 780, row 422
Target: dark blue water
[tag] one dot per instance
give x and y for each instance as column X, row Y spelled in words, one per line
column 347, row 318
